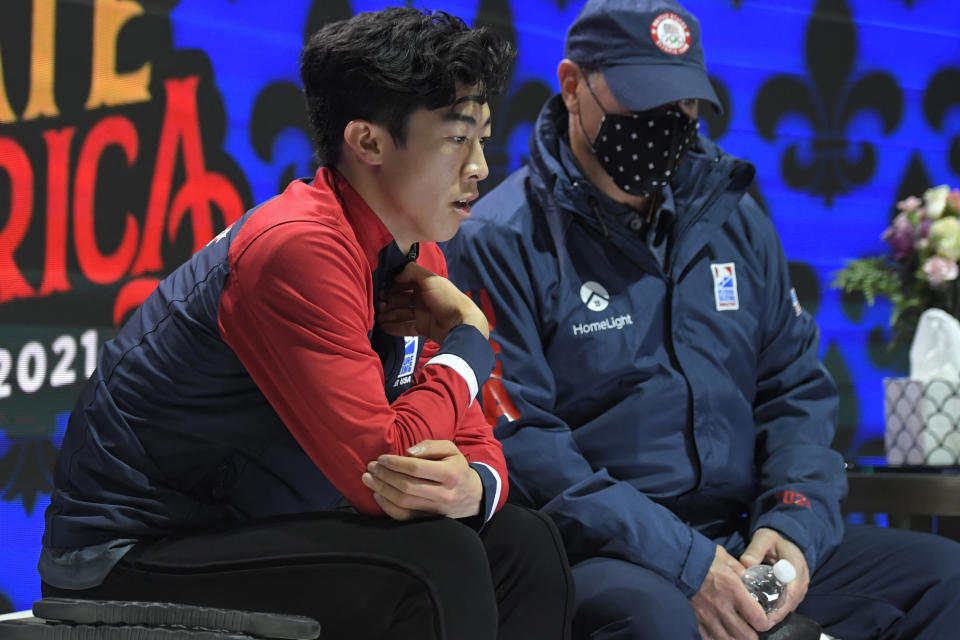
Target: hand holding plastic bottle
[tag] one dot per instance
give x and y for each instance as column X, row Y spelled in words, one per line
column 769, row 546
column 768, row 583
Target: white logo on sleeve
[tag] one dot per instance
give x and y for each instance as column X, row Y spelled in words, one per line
column 409, row 360
column 725, row 286
column 409, row 355
column 594, row 295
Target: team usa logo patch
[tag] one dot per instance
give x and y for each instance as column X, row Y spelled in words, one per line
column 670, row 33
column 725, row 286
column 409, row 356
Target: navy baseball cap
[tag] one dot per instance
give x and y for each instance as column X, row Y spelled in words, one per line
column 649, row 51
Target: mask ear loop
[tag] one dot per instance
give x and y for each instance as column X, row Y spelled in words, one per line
column 600, row 126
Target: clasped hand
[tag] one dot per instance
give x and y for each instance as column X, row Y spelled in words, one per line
column 426, row 304
column 434, row 479
column 724, row 608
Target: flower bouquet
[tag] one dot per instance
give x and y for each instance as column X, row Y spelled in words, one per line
column 921, row 271
column 920, row 277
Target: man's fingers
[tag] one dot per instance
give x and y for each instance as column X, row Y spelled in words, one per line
column 398, row 300
column 405, row 483
column 397, row 314
column 413, row 273
column 760, row 546
column 751, row 611
column 397, row 498
column 737, row 628
column 397, row 512
column 436, row 470
column 400, row 328
column 433, row 449
column 399, row 322
column 725, row 624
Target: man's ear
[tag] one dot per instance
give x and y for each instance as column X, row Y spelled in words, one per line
column 570, row 76
column 365, row 141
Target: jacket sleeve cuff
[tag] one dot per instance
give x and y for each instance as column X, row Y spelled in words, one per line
column 492, row 485
column 695, row 568
column 467, row 352
column 793, row 530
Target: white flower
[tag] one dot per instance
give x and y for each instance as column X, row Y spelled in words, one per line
column 938, row 270
column 936, row 199
column 945, row 237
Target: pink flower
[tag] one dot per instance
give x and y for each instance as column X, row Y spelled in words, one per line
column 909, row 204
column 900, row 236
column 938, row 270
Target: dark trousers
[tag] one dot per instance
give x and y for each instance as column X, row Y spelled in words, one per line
column 879, row 584
column 362, row 577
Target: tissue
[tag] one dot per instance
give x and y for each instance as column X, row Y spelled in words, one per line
column 935, row 351
column 923, row 411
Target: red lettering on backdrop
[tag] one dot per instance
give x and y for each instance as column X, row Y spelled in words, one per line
column 15, row 162
column 58, row 180
column 100, row 268
column 496, row 401
column 166, row 208
column 181, row 126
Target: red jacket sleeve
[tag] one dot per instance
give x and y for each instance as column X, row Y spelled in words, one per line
column 296, row 309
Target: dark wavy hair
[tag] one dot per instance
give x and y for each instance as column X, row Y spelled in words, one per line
column 382, row 66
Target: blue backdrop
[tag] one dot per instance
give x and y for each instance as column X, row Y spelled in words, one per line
column 844, row 106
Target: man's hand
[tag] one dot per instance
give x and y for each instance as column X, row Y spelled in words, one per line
column 724, row 608
column 425, row 304
column 434, row 480
column 769, row 546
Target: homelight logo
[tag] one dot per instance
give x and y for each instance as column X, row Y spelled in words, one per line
column 594, row 295
column 612, row 323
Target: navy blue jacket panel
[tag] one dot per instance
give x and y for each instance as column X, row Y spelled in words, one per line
column 650, row 410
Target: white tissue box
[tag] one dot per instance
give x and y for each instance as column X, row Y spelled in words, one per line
column 923, row 421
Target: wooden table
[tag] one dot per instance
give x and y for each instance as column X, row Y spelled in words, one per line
column 909, row 498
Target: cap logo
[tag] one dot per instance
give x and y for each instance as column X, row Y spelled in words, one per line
column 670, row 33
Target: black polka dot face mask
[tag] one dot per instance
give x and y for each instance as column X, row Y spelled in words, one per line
column 641, row 150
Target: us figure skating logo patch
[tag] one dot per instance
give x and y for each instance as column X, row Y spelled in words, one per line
column 409, row 361
column 409, row 356
column 725, row 286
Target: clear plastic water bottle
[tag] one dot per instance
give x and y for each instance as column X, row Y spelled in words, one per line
column 768, row 585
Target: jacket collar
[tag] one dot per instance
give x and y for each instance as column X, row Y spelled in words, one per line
column 371, row 233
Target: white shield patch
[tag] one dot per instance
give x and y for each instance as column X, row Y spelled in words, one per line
column 725, row 286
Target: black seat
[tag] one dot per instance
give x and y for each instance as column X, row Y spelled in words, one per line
column 68, row 619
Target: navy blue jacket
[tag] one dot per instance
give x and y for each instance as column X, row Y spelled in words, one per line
column 652, row 411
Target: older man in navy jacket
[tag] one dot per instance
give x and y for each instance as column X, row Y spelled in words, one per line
column 658, row 391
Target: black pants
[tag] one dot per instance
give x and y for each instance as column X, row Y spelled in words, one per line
column 363, row 578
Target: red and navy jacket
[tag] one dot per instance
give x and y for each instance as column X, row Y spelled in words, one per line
column 255, row 381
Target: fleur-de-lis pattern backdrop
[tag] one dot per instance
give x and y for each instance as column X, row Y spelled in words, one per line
column 133, row 131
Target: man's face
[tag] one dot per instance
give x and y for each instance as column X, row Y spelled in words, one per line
column 431, row 179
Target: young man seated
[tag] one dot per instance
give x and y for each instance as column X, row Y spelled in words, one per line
column 311, row 371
